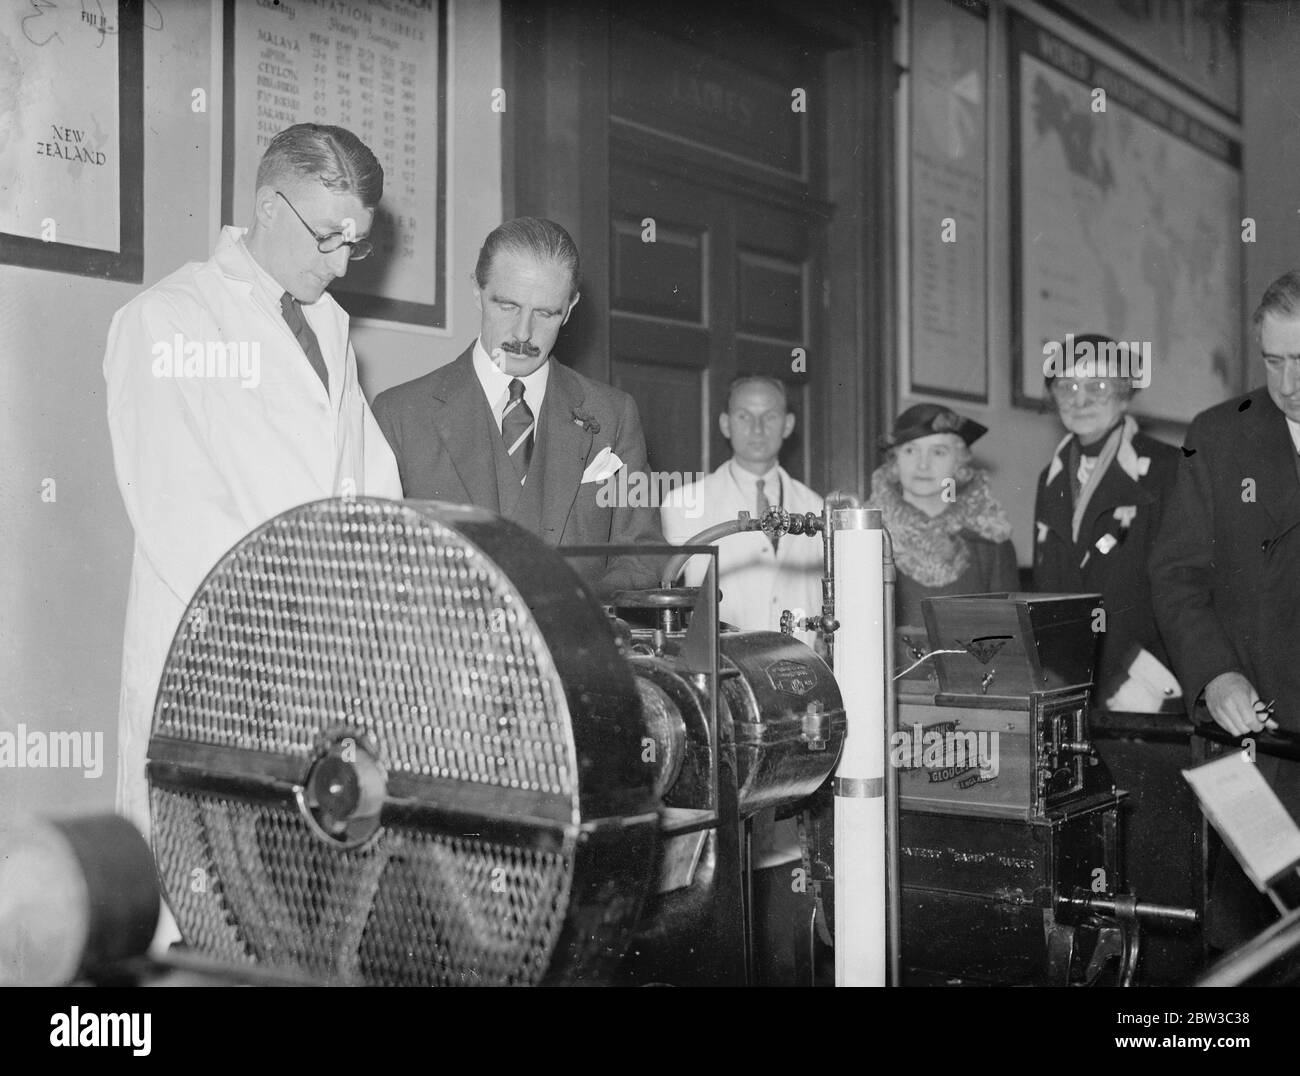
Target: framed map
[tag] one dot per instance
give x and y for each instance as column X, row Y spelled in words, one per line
column 1197, row 43
column 380, row 70
column 71, row 127
column 948, row 222
column 1126, row 222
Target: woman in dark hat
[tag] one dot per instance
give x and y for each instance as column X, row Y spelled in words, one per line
column 949, row 535
column 1098, row 509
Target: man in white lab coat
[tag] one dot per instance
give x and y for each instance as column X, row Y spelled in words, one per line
column 233, row 396
column 757, row 581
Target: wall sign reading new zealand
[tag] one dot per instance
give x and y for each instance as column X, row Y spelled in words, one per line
column 70, row 138
column 1128, row 225
column 378, row 68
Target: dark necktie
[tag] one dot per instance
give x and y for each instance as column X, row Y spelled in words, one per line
column 517, row 429
column 763, row 505
column 296, row 321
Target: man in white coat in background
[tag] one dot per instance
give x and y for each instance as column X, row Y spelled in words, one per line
column 758, row 580
column 233, row 396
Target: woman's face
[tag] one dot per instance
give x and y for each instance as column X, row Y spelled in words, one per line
column 927, row 467
column 1089, row 406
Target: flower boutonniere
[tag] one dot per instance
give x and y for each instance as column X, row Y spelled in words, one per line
column 1126, row 515
column 586, row 421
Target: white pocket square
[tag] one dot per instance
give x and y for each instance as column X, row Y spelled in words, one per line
column 602, row 467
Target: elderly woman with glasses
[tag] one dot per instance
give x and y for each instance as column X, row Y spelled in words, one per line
column 1097, row 511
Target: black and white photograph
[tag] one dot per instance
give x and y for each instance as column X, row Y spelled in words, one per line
column 734, row 493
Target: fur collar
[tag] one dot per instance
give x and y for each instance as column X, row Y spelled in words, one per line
column 931, row 550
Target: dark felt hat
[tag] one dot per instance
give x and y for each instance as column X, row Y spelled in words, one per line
column 1096, row 341
column 921, row 420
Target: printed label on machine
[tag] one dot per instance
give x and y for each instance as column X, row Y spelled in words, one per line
column 946, row 752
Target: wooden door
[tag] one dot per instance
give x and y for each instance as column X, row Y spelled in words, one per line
column 705, row 285
column 714, row 233
column 773, row 227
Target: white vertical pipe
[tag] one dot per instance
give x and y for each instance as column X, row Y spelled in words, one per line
column 861, row 956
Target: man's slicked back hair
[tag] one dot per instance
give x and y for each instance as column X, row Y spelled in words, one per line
column 540, row 239
column 334, row 156
column 1281, row 299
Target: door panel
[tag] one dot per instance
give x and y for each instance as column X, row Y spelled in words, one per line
column 713, row 283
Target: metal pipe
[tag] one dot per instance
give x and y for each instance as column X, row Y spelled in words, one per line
column 860, row 873
column 828, row 573
column 706, row 537
column 842, row 498
column 893, row 893
column 1166, row 914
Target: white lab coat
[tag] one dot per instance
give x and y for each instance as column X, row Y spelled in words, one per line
column 201, row 461
column 756, row 583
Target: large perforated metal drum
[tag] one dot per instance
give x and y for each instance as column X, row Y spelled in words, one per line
column 395, row 743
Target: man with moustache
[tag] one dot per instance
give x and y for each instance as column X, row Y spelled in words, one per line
column 203, row 457
column 1225, row 576
column 508, row 428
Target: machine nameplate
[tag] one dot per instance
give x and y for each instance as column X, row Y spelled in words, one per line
column 792, row 677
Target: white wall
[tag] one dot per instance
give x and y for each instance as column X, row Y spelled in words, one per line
column 1271, row 158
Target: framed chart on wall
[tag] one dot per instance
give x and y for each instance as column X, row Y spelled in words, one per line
column 71, row 157
column 1199, row 44
column 947, row 221
column 1125, row 221
column 380, row 70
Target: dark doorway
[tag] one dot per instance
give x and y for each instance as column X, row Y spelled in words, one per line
column 711, row 161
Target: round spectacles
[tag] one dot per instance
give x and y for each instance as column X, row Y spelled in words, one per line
column 328, row 244
column 1079, row 390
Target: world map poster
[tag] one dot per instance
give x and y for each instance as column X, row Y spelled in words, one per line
column 1129, row 224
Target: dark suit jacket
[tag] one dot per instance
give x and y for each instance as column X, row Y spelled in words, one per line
column 1225, row 576
column 441, row 430
column 1225, row 571
column 1120, row 576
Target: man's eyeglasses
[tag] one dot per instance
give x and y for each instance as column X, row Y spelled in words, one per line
column 327, row 244
column 1065, row 391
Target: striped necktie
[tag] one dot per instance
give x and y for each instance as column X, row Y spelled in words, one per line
column 297, row 321
column 517, row 429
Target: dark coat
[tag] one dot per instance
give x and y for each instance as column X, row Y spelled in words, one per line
column 1225, row 570
column 992, row 568
column 442, row 432
column 1225, row 576
column 1138, row 492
